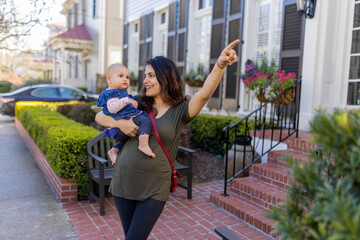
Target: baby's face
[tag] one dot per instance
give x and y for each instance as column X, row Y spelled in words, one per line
column 119, row 78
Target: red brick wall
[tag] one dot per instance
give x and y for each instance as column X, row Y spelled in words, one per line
column 65, row 191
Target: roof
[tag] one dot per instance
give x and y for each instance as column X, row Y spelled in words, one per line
column 78, row 32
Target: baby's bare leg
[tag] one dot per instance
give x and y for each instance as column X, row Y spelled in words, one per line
column 144, row 145
column 112, row 153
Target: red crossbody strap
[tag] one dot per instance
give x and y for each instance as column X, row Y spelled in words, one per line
column 153, row 125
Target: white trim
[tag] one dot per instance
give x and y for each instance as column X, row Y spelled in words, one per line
column 203, row 12
column 162, row 7
column 101, row 55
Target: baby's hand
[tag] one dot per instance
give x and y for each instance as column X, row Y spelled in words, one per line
column 133, row 103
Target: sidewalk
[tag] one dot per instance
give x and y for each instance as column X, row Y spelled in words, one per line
column 181, row 218
column 29, row 209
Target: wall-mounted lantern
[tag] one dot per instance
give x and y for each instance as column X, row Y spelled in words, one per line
column 306, row 7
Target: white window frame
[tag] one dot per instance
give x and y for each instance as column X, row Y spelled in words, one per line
column 272, row 48
column 357, row 80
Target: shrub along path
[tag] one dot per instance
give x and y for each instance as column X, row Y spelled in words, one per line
column 181, row 218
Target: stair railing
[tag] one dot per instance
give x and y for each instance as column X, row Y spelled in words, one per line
column 261, row 131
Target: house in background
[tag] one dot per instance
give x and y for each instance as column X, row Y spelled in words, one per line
column 323, row 50
column 91, row 42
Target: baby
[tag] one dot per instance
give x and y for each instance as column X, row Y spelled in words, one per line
column 118, row 104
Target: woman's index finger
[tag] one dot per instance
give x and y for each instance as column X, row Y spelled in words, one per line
column 232, row 44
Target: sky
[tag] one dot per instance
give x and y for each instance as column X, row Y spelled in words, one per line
column 39, row 34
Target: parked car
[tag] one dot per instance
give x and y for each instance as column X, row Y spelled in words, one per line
column 41, row 92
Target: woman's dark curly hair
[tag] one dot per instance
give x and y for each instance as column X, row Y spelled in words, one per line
column 171, row 85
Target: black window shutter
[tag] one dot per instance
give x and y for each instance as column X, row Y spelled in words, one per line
column 145, row 44
column 292, row 38
column 217, row 39
column 170, row 51
column 183, row 7
column 234, row 23
column 217, row 43
column 227, row 21
column 231, row 79
column 142, row 28
column 177, row 33
column 181, row 48
column 171, row 31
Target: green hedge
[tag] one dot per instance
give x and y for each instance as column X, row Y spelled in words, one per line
column 62, row 140
column 81, row 113
column 5, row 86
column 207, row 132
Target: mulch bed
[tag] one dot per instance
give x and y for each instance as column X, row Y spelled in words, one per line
column 206, row 166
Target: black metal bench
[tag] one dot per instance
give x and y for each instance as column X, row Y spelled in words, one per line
column 100, row 169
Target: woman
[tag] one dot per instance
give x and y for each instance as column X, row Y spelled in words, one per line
column 141, row 184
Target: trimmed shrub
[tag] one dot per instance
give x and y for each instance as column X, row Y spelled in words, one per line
column 62, row 140
column 81, row 113
column 325, row 201
column 206, row 132
column 5, row 86
column 85, row 89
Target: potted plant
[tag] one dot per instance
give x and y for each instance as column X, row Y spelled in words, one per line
column 133, row 79
column 281, row 82
column 195, row 79
column 256, row 81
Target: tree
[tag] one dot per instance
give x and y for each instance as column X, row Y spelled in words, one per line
column 17, row 18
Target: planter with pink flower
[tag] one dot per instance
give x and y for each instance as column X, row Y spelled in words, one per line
column 267, row 86
column 256, row 81
column 283, row 82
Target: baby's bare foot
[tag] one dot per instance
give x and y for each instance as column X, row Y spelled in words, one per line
column 112, row 155
column 147, row 151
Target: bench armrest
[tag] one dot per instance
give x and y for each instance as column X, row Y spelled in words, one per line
column 226, row 234
column 97, row 158
column 186, row 149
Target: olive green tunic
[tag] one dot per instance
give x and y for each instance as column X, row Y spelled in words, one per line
column 139, row 177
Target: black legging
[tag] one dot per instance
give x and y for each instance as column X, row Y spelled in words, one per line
column 138, row 217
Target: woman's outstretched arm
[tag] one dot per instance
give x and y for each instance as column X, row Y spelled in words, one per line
column 198, row 101
column 126, row 126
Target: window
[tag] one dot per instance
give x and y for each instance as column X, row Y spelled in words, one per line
column 163, row 18
column 353, row 97
column 49, row 92
column 94, row 9
column 69, row 61
column 268, row 31
column 163, row 44
column 202, row 4
column 202, row 45
column 205, row 4
column 136, row 27
column 76, row 66
column 76, row 6
column 86, row 68
column 70, row 93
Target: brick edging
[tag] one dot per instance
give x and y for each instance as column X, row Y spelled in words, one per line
column 64, row 190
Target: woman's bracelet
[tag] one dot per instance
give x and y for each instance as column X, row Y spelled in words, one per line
column 219, row 65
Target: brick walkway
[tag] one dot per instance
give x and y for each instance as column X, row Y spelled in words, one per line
column 181, row 218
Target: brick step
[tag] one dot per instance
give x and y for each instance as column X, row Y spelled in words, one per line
column 273, row 175
column 245, row 210
column 301, row 144
column 258, row 192
column 278, row 157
